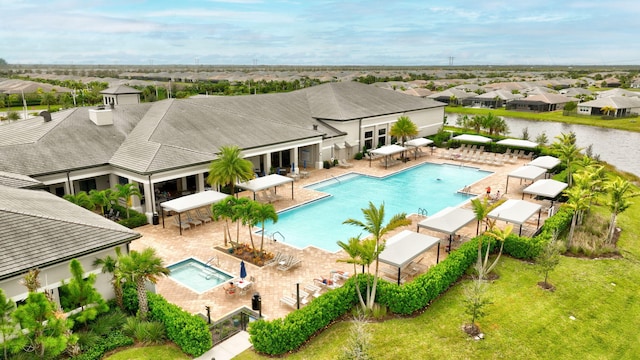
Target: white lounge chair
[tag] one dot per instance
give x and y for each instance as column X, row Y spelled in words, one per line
column 344, row 164
column 287, row 300
column 289, row 263
column 190, row 219
column 276, row 259
column 203, row 216
column 184, row 225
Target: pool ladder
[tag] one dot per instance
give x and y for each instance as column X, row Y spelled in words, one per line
column 273, row 236
column 423, row 212
column 213, row 261
column 336, row 179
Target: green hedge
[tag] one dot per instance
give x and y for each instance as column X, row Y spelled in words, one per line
column 112, row 341
column 189, row 332
column 135, row 219
column 284, row 335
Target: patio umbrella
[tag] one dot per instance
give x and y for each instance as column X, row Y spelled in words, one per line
column 243, row 270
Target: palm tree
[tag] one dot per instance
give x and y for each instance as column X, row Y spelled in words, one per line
column 620, row 192
column 224, row 209
column 355, row 250
column 261, row 213
column 500, row 235
column 229, row 168
column 373, row 224
column 103, row 198
column 111, row 265
column 578, row 200
column 403, row 128
column 139, row 267
column 608, row 109
column 81, row 199
column 125, row 192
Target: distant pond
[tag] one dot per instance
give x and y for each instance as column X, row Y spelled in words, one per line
column 616, row 147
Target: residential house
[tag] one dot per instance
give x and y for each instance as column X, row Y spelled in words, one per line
column 539, row 103
column 622, row 106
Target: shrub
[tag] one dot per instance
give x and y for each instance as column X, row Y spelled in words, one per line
column 326, row 164
column 135, row 219
column 189, row 332
column 130, row 298
column 358, row 156
column 114, row 340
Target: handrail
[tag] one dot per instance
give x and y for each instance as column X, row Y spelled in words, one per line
column 423, row 212
column 210, row 261
column 336, row 179
column 273, row 235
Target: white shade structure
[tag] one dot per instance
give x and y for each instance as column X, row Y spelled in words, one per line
column 386, row 151
column 416, row 143
column 548, row 188
column 190, row 202
column 518, row 143
column 472, row 138
column 405, row 246
column 545, row 162
column 526, row 172
column 449, row 220
column 516, row 212
column 265, row 182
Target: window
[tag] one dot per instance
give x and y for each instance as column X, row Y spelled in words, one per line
column 382, row 137
column 87, row 185
column 368, row 139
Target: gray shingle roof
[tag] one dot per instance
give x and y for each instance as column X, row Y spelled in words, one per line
column 17, row 180
column 40, row 229
column 120, row 89
column 617, row 102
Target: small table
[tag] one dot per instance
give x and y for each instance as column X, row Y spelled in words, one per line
column 243, row 286
column 304, row 174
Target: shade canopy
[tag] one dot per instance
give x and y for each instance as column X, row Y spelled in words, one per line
column 193, row 201
column 418, row 142
column 515, row 211
column 545, row 162
column 518, row 143
column 448, row 220
column 405, row 246
column 472, row 138
column 264, row 182
column 548, row 188
column 388, row 150
column 527, row 172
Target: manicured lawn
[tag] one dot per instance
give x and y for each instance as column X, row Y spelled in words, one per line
column 629, row 124
column 524, row 321
column 160, row 352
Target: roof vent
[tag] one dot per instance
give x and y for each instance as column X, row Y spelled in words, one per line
column 46, row 115
column 101, row 117
column 315, row 126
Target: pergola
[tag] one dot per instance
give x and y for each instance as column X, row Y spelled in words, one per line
column 472, row 138
column 402, row 248
column 265, row 182
column 518, row 143
column 386, row 151
column 545, row 162
column 416, row 143
column 190, row 202
column 516, row 212
column 526, row 172
column 448, row 221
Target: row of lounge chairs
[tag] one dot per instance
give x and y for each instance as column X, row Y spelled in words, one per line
column 283, row 261
column 193, row 217
column 312, row 291
column 268, row 196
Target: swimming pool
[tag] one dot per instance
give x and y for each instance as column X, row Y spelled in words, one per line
column 197, row 276
column 430, row 187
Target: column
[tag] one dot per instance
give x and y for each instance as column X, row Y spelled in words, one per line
column 267, row 163
column 296, row 161
column 200, row 183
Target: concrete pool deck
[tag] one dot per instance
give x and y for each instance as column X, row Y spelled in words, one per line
column 272, row 284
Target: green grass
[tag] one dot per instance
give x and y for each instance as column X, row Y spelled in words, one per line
column 628, row 124
column 160, row 352
column 524, row 321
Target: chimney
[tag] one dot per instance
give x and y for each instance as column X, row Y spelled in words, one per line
column 101, row 116
column 46, row 116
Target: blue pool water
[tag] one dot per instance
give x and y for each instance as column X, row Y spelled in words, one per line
column 197, row 276
column 428, row 186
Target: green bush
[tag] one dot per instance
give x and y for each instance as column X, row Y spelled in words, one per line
column 135, row 219
column 326, row 164
column 114, row 340
column 189, row 332
column 130, row 298
column 282, row 335
column 358, row 156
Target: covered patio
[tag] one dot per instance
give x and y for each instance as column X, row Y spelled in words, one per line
column 387, row 151
column 526, row 172
column 448, row 221
column 518, row 143
column 402, row 248
column 190, row 202
column 417, row 143
column 516, row 212
column 266, row 182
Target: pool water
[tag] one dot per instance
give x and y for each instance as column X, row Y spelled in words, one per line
column 197, row 276
column 423, row 189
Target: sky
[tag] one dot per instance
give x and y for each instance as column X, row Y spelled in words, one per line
column 318, row 32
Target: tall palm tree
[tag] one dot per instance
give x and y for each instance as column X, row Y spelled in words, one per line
column 261, row 213
column 500, row 235
column 620, row 192
column 224, row 210
column 568, row 153
column 578, row 200
column 81, row 199
column 607, row 110
column 139, row 267
column 374, row 225
column 355, row 250
column 229, row 168
column 125, row 192
column 403, row 128
column 111, row 265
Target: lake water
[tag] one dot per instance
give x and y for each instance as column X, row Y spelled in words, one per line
column 616, row 147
